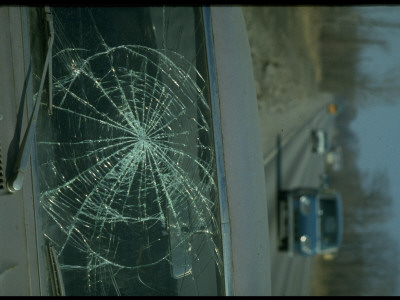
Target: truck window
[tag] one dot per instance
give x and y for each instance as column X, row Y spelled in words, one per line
column 329, row 223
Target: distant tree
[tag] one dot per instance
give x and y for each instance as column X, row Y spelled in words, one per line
column 378, row 202
column 367, row 261
column 345, row 32
column 384, row 87
column 355, row 17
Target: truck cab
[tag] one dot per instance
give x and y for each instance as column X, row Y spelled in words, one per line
column 310, row 221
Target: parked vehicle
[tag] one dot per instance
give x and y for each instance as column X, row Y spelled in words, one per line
column 310, row 221
column 334, row 158
column 332, row 108
column 319, row 141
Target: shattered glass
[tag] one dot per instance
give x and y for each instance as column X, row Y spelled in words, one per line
column 126, row 161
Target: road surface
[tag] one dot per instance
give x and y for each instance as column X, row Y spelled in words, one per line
column 299, row 166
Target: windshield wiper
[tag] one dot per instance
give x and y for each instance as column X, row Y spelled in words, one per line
column 57, row 283
column 20, row 166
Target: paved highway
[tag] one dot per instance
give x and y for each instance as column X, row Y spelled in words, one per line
column 298, row 166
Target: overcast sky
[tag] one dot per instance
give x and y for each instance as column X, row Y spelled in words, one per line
column 378, row 125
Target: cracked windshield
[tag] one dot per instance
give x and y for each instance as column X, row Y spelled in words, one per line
column 126, row 160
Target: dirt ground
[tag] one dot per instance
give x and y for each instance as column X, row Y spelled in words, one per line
column 284, row 44
column 285, row 49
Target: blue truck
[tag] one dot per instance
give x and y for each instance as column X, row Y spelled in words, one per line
column 310, row 221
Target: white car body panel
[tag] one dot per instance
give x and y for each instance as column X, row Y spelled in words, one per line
column 245, row 179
